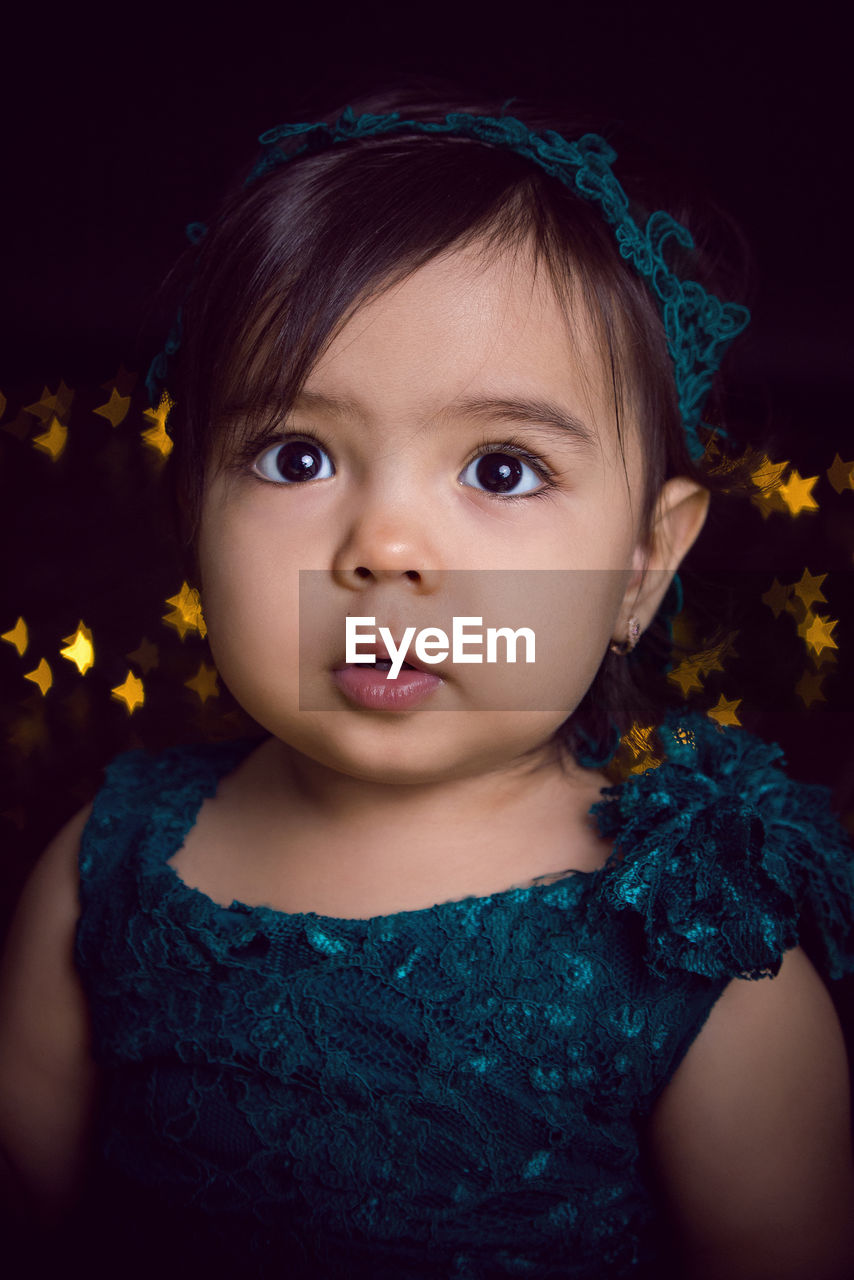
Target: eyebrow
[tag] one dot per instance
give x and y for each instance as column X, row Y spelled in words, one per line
column 535, row 412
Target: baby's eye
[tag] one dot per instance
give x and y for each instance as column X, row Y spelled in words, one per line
column 293, row 462
column 498, row 472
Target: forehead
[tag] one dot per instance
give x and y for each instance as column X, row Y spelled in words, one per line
column 469, row 321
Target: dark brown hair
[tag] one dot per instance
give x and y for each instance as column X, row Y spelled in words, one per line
column 289, row 258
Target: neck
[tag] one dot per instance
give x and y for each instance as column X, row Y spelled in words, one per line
column 532, row 814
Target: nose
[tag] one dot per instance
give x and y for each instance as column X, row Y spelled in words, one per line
column 388, row 541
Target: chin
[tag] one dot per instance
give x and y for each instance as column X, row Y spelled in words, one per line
column 422, row 749
column 394, row 753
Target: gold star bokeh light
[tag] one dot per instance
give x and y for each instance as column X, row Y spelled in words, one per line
column 56, row 404
column 644, row 763
column 724, row 711
column 635, row 753
column 638, row 738
column 792, row 495
column 157, row 437
column 808, row 590
column 689, row 672
column 18, row 636
column 808, row 688
column 821, row 660
column 80, row 648
column 816, row 631
column 686, row 675
column 797, row 493
column 116, row 408
column 42, row 676
column 768, row 477
column 841, row 474
column 204, row 683
column 130, row 692
column 776, row 597
column 53, row 440
column 186, row 612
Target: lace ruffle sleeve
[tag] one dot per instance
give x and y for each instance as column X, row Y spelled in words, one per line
column 727, row 860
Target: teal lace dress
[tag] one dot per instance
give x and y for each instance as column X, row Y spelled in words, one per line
column 459, row 1091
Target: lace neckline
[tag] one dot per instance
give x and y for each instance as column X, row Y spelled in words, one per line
column 177, row 811
column 721, row 859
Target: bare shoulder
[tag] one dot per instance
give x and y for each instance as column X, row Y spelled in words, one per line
column 752, row 1136
column 43, row 926
column 53, row 880
column 47, row 1077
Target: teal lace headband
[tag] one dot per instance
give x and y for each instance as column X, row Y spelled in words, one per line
column 699, row 327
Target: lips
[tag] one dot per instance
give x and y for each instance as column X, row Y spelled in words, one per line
column 371, row 689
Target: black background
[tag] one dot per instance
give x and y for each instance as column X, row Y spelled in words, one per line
column 118, row 132
column 121, row 126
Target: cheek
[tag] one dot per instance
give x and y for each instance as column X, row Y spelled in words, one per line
column 571, row 613
column 577, row 622
column 250, row 602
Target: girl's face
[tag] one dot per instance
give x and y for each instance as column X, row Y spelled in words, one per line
column 469, row 358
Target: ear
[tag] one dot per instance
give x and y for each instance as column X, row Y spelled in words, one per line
column 679, row 516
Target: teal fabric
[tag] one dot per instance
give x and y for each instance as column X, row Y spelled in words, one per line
column 459, row 1091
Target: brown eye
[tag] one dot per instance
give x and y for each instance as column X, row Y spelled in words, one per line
column 497, row 472
column 294, row 462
